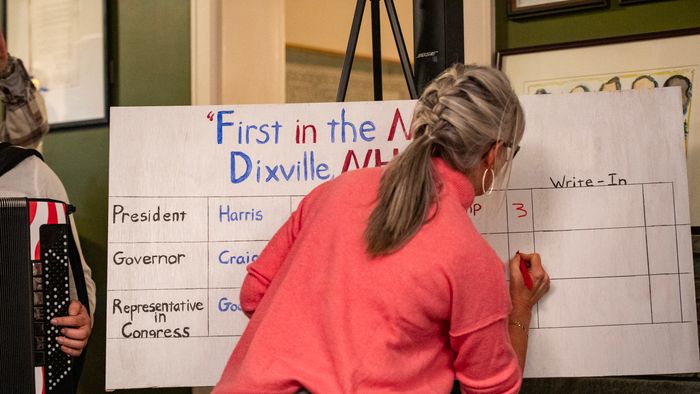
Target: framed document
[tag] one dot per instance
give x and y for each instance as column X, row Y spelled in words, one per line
column 63, row 45
column 527, row 8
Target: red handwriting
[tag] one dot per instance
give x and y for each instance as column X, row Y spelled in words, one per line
column 520, row 207
column 394, row 123
column 351, row 158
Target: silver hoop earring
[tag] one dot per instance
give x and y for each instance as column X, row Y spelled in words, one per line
column 483, row 181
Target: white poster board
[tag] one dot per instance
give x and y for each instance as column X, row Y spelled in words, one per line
column 599, row 189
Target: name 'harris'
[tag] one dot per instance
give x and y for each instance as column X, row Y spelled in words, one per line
column 228, row 215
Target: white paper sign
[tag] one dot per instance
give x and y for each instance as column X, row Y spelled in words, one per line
column 599, row 189
column 195, row 194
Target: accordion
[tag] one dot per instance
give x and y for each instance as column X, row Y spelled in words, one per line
column 36, row 251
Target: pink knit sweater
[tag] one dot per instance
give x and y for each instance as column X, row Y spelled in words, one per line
column 328, row 318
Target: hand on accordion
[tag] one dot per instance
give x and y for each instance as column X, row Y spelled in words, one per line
column 76, row 329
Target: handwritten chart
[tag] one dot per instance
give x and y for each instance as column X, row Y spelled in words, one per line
column 191, row 212
column 588, row 191
column 600, row 191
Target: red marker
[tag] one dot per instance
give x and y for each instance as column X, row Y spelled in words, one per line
column 526, row 274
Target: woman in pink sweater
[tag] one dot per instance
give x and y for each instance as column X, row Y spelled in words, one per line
column 379, row 281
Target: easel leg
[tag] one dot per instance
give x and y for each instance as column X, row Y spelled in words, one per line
column 401, row 47
column 350, row 51
column 376, row 50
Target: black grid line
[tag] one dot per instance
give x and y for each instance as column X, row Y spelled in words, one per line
column 612, row 325
column 213, row 196
column 187, row 337
column 507, row 210
column 302, row 195
column 534, row 247
column 587, row 229
column 181, row 288
column 646, row 243
column 678, row 259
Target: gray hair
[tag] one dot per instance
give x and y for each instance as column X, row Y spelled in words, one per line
column 459, row 117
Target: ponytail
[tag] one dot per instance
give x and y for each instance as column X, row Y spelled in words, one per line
column 406, row 193
column 458, row 118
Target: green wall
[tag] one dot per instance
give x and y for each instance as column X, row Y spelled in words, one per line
column 598, row 23
column 149, row 47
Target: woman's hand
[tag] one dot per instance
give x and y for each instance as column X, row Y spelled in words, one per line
column 523, row 298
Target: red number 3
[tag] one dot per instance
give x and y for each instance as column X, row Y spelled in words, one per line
column 520, row 207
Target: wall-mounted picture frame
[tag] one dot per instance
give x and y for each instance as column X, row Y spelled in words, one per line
column 518, row 9
column 63, row 44
column 643, row 61
column 632, row 2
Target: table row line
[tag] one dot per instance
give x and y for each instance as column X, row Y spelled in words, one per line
column 577, row 208
column 606, row 301
column 122, row 337
column 603, row 252
column 568, row 254
column 155, row 219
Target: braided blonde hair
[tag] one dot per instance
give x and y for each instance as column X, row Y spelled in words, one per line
column 458, row 118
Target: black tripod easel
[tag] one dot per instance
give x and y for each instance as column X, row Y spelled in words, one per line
column 376, row 49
